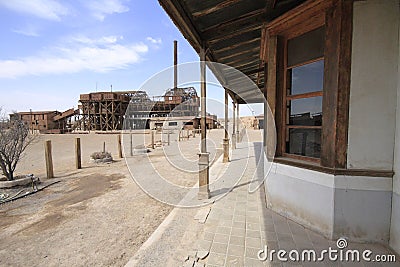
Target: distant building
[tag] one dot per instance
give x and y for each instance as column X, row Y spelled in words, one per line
column 46, row 121
column 39, row 121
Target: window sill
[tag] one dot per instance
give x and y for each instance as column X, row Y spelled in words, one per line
column 335, row 171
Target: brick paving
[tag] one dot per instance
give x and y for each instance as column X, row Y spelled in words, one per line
column 239, row 225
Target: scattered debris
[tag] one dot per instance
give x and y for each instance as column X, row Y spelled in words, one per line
column 18, row 195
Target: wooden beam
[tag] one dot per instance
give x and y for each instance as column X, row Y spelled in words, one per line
column 242, row 54
column 243, row 61
column 214, row 8
column 234, row 33
column 183, row 22
column 256, row 17
column 337, row 85
column 239, row 44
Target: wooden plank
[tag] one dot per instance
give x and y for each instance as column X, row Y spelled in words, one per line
column 335, row 171
column 238, row 44
column 247, row 21
column 242, row 53
column 232, row 34
column 214, row 8
column 337, row 85
column 300, row 18
column 272, row 73
column 305, row 95
column 183, row 22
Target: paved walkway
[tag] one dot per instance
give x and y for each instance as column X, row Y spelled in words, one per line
column 237, row 227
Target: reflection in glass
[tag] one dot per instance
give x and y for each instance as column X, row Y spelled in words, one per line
column 304, row 142
column 306, row 111
column 307, row 78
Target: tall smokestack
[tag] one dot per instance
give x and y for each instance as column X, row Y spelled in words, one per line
column 175, row 64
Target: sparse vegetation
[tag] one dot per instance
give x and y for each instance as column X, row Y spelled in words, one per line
column 14, row 139
column 101, row 155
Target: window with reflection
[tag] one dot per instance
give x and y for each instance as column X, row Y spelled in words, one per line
column 304, row 76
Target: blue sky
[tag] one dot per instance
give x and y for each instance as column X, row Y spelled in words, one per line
column 53, row 50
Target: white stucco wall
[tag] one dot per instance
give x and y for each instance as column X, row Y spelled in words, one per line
column 395, row 223
column 374, row 79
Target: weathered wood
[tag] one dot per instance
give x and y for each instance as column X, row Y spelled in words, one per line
column 337, row 85
column 49, row 159
column 301, row 19
column 271, row 87
column 241, row 54
column 214, row 8
column 119, row 146
column 203, row 99
column 305, row 95
column 175, row 64
column 180, row 18
column 251, row 20
column 153, row 143
column 131, row 144
column 236, row 45
column 336, row 171
column 78, row 154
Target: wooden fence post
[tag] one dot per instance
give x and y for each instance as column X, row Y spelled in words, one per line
column 49, row 159
column 119, row 146
column 153, row 145
column 131, row 144
column 78, row 154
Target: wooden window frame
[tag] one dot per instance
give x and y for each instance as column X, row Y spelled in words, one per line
column 337, row 18
column 286, row 97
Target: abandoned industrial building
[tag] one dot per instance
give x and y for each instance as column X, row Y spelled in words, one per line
column 329, row 72
column 108, row 111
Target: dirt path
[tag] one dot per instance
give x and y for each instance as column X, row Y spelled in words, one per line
column 98, row 217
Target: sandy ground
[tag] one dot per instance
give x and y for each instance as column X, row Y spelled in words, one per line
column 96, row 216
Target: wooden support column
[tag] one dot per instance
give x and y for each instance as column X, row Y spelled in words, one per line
column 131, row 144
column 226, row 137
column 237, row 124
column 49, row 159
column 234, row 125
column 204, row 192
column 337, row 72
column 78, row 154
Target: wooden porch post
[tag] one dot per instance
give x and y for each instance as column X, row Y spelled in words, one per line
column 204, row 192
column 226, row 137
column 234, row 125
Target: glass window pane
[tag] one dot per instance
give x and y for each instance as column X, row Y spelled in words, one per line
column 304, row 142
column 306, row 111
column 306, row 47
column 307, row 78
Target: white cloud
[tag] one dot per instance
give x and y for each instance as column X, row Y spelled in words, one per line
column 89, row 55
column 29, row 30
column 45, row 9
column 101, row 8
column 100, row 41
column 154, row 41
